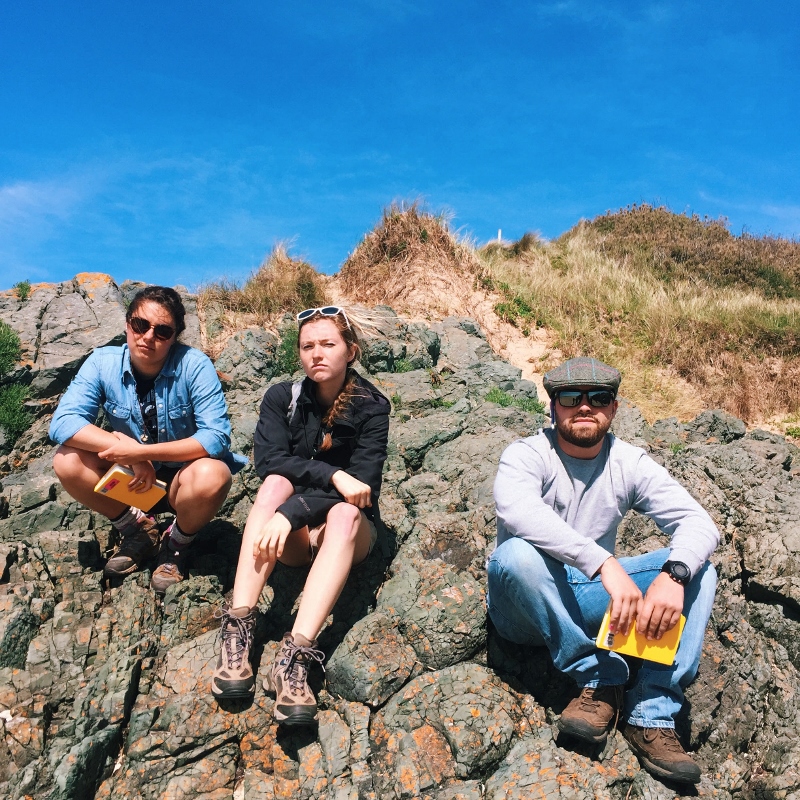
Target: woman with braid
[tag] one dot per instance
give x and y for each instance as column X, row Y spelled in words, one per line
column 319, row 447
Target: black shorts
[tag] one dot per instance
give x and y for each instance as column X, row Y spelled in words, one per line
column 166, row 474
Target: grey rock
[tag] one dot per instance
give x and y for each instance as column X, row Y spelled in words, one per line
column 715, row 424
column 249, row 359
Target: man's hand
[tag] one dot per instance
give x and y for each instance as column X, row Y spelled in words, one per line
column 352, row 489
column 268, row 545
column 625, row 595
column 661, row 608
column 126, row 451
column 144, row 476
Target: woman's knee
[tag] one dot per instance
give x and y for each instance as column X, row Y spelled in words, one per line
column 207, row 477
column 275, row 489
column 343, row 521
column 70, row 463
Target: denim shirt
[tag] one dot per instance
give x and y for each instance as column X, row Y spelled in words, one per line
column 188, row 393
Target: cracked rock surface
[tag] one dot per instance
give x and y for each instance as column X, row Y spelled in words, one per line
column 104, row 689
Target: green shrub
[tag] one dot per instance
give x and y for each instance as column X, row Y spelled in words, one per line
column 10, row 349
column 14, row 419
column 288, row 361
column 497, row 395
column 23, row 289
column 439, row 402
column 397, row 401
column 403, row 365
column 793, row 431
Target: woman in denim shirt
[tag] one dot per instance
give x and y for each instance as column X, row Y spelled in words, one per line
column 165, row 405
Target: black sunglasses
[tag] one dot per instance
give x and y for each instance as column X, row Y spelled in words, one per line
column 598, row 398
column 141, row 326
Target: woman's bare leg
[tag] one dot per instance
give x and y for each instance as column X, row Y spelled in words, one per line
column 252, row 573
column 197, row 492
column 78, row 471
column 345, row 542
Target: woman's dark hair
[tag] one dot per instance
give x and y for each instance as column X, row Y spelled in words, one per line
column 166, row 297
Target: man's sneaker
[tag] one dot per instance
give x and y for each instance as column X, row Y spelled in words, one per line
column 593, row 713
column 662, row 754
column 295, row 703
column 171, row 566
column 233, row 676
column 139, row 544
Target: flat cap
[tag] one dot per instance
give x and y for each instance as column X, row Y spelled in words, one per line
column 579, row 372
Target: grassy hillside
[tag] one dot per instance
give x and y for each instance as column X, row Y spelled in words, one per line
column 659, row 293
column 694, row 316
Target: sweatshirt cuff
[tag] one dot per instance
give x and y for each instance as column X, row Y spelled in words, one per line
column 591, row 558
column 687, row 557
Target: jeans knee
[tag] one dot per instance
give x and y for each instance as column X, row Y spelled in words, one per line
column 517, row 561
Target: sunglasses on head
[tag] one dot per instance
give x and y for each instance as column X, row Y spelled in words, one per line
column 597, row 398
column 141, row 326
column 326, row 311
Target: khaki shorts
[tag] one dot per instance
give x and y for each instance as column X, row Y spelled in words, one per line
column 314, row 535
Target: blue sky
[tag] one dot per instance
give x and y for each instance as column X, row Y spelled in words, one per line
column 177, row 142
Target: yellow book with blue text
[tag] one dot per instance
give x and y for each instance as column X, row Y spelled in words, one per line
column 660, row 650
column 114, row 484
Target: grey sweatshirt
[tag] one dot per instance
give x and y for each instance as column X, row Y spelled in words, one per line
column 570, row 508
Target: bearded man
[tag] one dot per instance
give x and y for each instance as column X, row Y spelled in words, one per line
column 560, row 496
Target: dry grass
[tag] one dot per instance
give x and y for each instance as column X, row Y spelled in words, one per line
column 410, row 261
column 681, row 341
column 281, row 285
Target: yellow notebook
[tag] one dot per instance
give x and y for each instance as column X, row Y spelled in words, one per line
column 114, row 484
column 660, row 650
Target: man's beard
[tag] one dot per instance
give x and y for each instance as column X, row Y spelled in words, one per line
column 582, row 437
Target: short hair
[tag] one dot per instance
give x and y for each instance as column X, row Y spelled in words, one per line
column 167, row 298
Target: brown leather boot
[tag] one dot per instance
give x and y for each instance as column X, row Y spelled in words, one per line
column 139, row 544
column 593, row 713
column 661, row 753
column 233, row 676
column 295, row 703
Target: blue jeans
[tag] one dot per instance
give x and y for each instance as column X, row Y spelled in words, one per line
column 535, row 599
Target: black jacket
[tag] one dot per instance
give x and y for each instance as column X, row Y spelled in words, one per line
column 290, row 448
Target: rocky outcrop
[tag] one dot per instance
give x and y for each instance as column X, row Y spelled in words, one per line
column 104, row 691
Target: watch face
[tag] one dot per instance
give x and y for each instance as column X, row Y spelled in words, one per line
column 678, row 570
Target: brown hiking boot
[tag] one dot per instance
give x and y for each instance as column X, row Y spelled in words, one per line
column 139, row 544
column 171, row 567
column 593, row 713
column 662, row 754
column 295, row 703
column 233, row 676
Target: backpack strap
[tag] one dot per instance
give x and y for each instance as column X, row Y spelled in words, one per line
column 297, row 387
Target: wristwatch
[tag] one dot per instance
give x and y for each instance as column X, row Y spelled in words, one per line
column 678, row 571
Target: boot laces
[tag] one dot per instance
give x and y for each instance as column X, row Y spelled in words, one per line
column 592, row 696
column 296, row 670
column 237, row 637
column 669, row 741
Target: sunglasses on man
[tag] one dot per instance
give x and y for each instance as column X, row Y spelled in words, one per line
column 597, row 398
column 140, row 326
column 326, row 311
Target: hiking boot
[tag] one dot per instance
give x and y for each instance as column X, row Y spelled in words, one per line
column 593, row 713
column 662, row 754
column 295, row 703
column 171, row 566
column 139, row 544
column 233, row 676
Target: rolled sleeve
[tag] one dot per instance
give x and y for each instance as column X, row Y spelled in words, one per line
column 209, row 408
column 80, row 404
